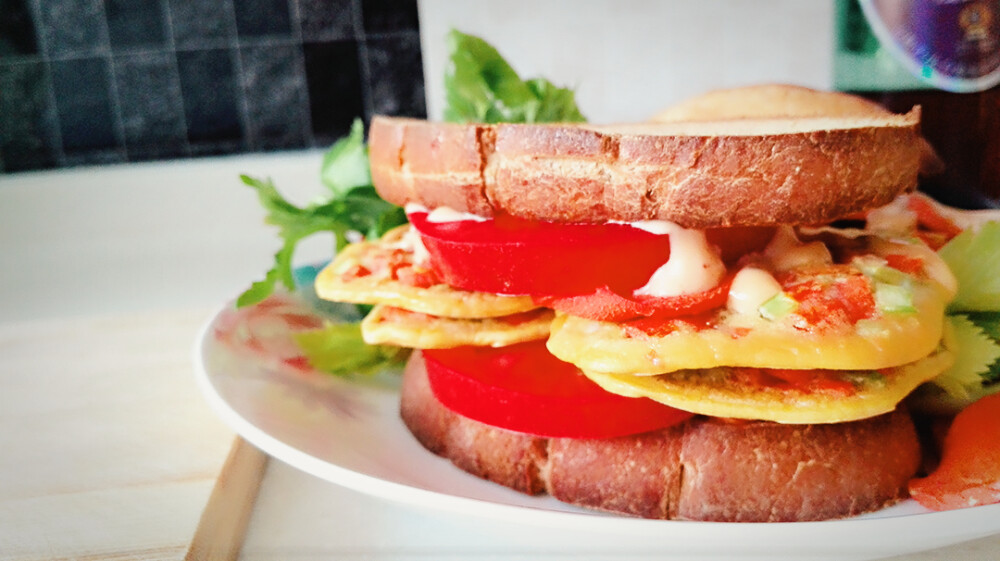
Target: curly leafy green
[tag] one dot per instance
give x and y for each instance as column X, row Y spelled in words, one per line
column 976, row 354
column 481, row 87
column 973, row 324
column 352, row 206
column 989, row 324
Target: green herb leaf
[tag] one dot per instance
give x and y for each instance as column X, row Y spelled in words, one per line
column 989, row 323
column 338, row 348
column 974, row 258
column 294, row 224
column 352, row 206
column 976, row 354
column 481, row 87
column 556, row 105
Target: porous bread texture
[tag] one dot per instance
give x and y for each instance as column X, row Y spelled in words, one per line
column 696, row 174
column 704, row 469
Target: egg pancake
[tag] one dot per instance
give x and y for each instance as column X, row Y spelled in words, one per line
column 820, row 397
column 396, row 326
column 386, row 272
column 725, row 338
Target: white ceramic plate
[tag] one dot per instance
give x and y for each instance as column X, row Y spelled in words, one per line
column 349, row 432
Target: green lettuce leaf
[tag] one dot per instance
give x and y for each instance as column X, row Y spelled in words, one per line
column 338, row 348
column 481, row 87
column 974, row 257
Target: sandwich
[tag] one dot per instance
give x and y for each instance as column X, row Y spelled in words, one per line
column 714, row 319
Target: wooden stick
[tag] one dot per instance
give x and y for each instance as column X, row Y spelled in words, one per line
column 223, row 523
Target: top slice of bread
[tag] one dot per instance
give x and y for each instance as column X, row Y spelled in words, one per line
column 697, row 174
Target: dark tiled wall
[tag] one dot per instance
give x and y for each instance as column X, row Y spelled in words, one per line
column 105, row 81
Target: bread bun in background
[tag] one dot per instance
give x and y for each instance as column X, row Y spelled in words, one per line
column 783, row 100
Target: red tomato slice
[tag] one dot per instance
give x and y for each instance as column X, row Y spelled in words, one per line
column 509, row 255
column 525, row 389
column 513, row 256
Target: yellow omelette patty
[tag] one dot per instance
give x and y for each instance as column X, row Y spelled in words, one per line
column 891, row 339
column 720, row 392
column 337, row 282
column 395, row 326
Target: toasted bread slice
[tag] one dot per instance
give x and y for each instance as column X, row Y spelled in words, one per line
column 703, row 469
column 696, row 174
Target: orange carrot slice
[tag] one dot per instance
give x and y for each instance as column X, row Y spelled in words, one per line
column 969, row 472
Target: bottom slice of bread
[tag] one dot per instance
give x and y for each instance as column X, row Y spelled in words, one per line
column 704, row 469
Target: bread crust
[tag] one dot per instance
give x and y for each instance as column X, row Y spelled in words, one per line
column 705, row 469
column 698, row 175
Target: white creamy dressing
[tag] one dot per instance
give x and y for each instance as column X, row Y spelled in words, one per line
column 443, row 214
column 694, row 264
column 895, row 218
column 411, row 208
column 752, row 286
column 786, row 252
column 934, row 267
column 658, row 227
column 410, row 242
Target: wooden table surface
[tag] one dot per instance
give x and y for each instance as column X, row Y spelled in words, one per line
column 109, row 452
column 107, row 448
